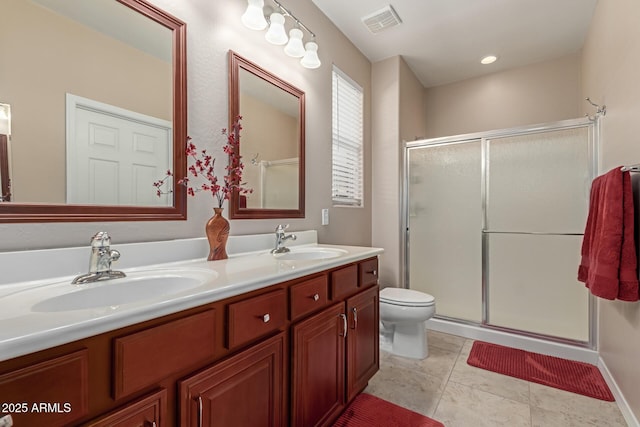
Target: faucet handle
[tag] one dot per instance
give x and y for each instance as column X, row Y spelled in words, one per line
column 101, row 239
column 281, row 227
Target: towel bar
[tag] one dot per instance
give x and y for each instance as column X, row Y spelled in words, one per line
column 632, row 168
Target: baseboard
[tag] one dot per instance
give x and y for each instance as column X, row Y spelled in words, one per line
column 535, row 345
column 628, row 415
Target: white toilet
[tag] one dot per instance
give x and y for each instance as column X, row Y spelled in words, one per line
column 403, row 313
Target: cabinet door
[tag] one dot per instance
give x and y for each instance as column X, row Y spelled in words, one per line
column 245, row 390
column 362, row 340
column 149, row 411
column 318, row 367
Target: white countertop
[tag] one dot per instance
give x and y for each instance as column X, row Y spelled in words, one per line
column 24, row 329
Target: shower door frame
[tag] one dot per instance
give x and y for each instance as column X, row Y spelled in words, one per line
column 593, row 127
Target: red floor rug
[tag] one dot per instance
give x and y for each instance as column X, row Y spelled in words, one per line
column 569, row 375
column 369, row 411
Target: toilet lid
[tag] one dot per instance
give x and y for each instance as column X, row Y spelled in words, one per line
column 407, row 297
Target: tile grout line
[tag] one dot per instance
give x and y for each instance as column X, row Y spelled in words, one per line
column 435, row 409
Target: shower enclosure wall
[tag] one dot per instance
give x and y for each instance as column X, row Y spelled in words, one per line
column 494, row 225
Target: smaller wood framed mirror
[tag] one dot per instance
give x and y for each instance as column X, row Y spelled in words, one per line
column 271, row 142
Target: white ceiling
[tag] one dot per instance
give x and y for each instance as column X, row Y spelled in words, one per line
column 443, row 41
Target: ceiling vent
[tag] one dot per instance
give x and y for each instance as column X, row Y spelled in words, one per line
column 382, row 19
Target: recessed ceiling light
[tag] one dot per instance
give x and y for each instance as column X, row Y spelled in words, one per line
column 490, row 59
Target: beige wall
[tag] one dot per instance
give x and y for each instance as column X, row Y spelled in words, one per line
column 56, row 55
column 396, row 116
column 385, row 130
column 611, row 61
column 538, row 93
column 213, row 28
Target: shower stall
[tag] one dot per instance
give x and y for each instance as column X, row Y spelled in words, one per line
column 494, row 224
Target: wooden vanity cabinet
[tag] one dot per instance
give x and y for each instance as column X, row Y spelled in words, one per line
column 272, row 357
column 335, row 353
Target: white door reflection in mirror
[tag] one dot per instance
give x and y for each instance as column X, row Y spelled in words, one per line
column 114, row 155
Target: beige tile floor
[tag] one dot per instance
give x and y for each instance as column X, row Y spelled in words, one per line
column 445, row 388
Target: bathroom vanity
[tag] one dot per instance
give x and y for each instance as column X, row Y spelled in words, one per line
column 266, row 341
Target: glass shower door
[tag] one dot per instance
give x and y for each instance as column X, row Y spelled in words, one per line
column 537, row 190
column 444, row 224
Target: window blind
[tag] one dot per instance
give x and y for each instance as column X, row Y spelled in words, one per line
column 347, row 170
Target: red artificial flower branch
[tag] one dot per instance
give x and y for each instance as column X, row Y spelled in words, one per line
column 203, row 167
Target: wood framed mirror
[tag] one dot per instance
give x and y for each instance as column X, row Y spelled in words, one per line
column 98, row 111
column 271, row 142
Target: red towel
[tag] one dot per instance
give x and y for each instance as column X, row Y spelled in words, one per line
column 609, row 263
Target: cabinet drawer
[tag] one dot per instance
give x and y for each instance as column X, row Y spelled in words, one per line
column 60, row 384
column 144, row 358
column 344, row 282
column 308, row 296
column 146, row 412
column 255, row 317
column 368, row 272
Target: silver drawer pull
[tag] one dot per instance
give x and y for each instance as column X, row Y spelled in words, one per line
column 266, row 318
column 354, row 310
column 200, row 422
column 374, row 272
column 345, row 329
column 315, row 297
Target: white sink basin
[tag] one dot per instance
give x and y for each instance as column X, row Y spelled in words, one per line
column 137, row 286
column 297, row 254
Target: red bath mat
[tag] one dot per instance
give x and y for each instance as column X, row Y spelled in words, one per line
column 569, row 375
column 369, row 411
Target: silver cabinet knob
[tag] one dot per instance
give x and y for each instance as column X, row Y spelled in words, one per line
column 266, row 318
column 316, row 297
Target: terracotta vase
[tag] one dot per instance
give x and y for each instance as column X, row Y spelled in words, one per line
column 217, row 230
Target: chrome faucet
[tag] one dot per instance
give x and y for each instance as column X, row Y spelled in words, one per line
column 100, row 261
column 280, row 238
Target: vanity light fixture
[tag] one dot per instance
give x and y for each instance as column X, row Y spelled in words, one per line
column 5, row 132
column 489, row 59
column 276, row 34
column 254, row 19
column 5, row 119
column 295, row 48
column 310, row 58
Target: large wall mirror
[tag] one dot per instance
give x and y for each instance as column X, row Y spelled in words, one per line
column 97, row 94
column 271, row 141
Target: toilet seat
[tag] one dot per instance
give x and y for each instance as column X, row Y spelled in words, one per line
column 406, row 297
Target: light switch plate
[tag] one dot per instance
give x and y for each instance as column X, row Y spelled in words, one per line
column 325, row 216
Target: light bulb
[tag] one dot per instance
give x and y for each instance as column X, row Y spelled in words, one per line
column 488, row 59
column 295, row 48
column 5, row 119
column 253, row 17
column 276, row 34
column 310, row 58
